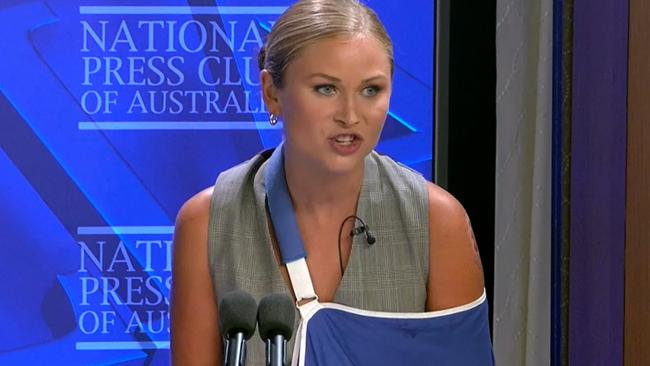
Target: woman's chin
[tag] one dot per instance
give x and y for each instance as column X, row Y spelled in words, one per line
column 343, row 165
column 328, row 162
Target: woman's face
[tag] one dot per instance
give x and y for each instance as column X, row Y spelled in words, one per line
column 334, row 102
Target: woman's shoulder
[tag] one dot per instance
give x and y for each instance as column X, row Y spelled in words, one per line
column 195, row 212
column 447, row 216
column 195, row 209
column 455, row 271
column 245, row 169
column 394, row 167
column 443, row 203
column 393, row 176
column 193, row 302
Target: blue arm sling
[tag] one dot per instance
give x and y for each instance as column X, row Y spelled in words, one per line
column 334, row 334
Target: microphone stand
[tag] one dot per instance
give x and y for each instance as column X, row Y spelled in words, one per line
column 235, row 350
column 276, row 351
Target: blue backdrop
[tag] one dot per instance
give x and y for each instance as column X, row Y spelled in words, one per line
column 110, row 118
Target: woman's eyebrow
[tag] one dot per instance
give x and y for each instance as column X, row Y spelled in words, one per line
column 330, row 77
column 380, row 76
column 320, row 74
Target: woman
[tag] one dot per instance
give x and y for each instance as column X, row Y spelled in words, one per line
column 327, row 73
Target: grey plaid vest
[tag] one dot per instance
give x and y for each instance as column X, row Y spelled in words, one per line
column 390, row 275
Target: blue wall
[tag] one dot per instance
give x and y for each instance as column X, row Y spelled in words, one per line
column 101, row 142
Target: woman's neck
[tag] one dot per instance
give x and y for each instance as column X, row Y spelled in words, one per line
column 321, row 193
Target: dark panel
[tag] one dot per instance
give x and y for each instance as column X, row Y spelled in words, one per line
column 637, row 250
column 562, row 55
column 472, row 120
column 565, row 246
column 598, row 141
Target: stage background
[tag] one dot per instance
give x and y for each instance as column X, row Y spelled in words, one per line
column 110, row 118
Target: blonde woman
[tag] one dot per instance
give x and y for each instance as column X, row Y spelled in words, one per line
column 326, row 72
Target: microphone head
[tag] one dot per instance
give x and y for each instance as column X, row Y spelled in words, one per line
column 370, row 238
column 237, row 313
column 276, row 315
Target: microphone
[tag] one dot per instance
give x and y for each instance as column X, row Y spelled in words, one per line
column 275, row 316
column 237, row 318
column 370, row 239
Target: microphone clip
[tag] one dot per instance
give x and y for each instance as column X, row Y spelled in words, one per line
column 370, row 239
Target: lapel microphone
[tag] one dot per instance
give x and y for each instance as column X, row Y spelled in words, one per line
column 370, row 239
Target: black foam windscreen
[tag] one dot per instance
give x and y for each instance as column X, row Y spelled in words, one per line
column 276, row 315
column 238, row 313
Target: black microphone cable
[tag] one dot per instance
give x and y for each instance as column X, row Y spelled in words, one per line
column 370, row 239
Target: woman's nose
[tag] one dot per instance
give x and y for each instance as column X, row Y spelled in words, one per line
column 348, row 114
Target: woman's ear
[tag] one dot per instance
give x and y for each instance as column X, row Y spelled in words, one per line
column 270, row 93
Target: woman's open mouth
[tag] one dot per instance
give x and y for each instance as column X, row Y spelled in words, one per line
column 346, row 143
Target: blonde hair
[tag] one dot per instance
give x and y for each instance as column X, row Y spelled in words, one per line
column 308, row 21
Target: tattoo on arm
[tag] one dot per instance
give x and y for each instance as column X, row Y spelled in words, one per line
column 470, row 232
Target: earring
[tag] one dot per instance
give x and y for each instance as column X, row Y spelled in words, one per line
column 273, row 119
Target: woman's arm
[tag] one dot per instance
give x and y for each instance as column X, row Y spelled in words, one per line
column 455, row 271
column 195, row 338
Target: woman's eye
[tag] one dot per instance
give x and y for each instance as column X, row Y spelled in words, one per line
column 325, row 89
column 370, row 91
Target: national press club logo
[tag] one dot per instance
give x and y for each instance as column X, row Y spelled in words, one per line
column 172, row 67
column 124, row 282
column 151, row 68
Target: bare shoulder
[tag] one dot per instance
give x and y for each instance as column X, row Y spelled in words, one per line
column 191, row 230
column 444, row 209
column 196, row 209
column 455, row 271
column 194, row 331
